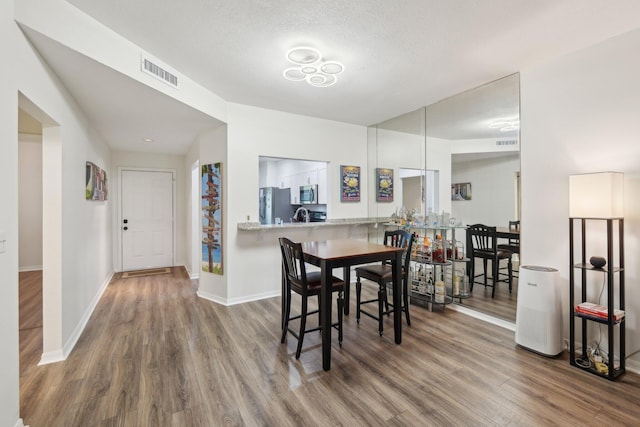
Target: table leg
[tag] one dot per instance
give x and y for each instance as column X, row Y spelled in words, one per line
column 397, row 297
column 347, row 286
column 325, row 314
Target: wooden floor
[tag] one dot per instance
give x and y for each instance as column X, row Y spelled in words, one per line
column 154, row 354
column 502, row 305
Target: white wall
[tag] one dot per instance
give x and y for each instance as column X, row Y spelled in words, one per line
column 493, row 183
column 85, row 264
column 30, row 201
column 253, row 265
column 579, row 114
column 9, row 366
column 121, row 159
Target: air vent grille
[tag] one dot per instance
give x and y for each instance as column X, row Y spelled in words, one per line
column 507, row 142
column 160, row 72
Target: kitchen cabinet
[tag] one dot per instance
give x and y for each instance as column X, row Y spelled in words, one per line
column 323, row 195
column 284, row 182
column 299, row 179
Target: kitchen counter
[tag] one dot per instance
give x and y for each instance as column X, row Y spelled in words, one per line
column 256, row 226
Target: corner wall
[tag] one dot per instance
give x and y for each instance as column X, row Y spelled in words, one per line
column 85, row 264
column 253, row 258
column 579, row 114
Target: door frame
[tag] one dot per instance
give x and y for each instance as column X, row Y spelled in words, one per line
column 118, row 216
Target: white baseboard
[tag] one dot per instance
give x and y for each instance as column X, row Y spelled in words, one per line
column 62, row 354
column 633, row 366
column 29, row 268
column 20, row 423
column 192, row 275
column 233, row 301
column 52, row 357
column 481, row 316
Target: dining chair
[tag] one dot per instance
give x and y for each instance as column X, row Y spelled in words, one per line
column 483, row 246
column 513, row 243
column 307, row 285
column 382, row 274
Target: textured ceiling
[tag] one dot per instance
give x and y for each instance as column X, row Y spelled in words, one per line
column 398, row 55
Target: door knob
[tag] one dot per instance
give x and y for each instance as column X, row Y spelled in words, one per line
column 125, row 228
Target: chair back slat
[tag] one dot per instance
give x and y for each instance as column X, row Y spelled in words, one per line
column 483, row 238
column 400, row 239
column 293, row 260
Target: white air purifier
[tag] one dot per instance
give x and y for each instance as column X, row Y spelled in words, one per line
column 539, row 310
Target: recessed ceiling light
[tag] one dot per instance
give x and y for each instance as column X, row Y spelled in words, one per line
column 147, row 140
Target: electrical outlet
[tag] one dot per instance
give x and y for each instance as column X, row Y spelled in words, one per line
column 566, row 344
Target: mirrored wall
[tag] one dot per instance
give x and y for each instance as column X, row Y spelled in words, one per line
column 460, row 156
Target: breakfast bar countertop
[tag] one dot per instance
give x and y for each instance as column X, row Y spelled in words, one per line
column 256, row 226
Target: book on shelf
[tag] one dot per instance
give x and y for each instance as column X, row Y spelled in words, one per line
column 599, row 311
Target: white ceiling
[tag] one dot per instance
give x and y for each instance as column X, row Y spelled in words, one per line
column 398, row 55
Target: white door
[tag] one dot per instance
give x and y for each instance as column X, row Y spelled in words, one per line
column 147, row 219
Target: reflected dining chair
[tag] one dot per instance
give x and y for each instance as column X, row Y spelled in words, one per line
column 306, row 285
column 483, row 246
column 513, row 243
column 382, row 274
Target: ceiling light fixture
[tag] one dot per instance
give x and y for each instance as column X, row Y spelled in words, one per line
column 147, row 140
column 505, row 125
column 311, row 68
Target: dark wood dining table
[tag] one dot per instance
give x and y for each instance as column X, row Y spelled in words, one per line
column 507, row 233
column 344, row 253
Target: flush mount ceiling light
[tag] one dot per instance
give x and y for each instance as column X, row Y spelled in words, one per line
column 505, row 125
column 311, row 68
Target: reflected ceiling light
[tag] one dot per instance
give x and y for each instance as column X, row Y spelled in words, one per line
column 505, row 125
column 311, row 68
column 147, row 139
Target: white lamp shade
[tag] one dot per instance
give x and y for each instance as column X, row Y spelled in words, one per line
column 596, row 195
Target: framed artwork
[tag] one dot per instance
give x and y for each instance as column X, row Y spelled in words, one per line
column 95, row 183
column 211, row 190
column 461, row 191
column 350, row 183
column 384, row 185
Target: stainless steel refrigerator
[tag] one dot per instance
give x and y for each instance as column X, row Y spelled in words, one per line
column 275, row 203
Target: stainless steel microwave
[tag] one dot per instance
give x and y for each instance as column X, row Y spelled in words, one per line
column 309, row 194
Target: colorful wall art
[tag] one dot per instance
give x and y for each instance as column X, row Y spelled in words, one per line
column 95, row 183
column 212, row 218
column 350, row 182
column 384, row 185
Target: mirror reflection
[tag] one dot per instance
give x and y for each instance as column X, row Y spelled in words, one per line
column 459, row 157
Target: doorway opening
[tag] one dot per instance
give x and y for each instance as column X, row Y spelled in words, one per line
column 195, row 220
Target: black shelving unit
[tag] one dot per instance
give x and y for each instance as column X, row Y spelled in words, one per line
column 611, row 270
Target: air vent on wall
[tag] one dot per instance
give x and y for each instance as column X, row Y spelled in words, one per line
column 155, row 68
column 507, row 142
